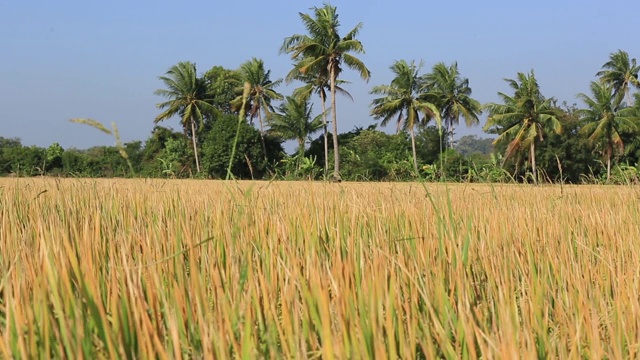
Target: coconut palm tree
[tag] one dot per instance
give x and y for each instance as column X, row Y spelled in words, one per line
column 621, row 72
column 317, row 82
column 188, row 97
column 261, row 92
column 324, row 47
column 523, row 118
column 401, row 100
column 293, row 121
column 606, row 121
column 450, row 92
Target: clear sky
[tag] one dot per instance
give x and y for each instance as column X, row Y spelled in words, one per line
column 101, row 59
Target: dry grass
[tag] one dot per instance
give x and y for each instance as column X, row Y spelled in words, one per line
column 95, row 268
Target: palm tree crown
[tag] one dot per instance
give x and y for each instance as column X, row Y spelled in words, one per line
column 446, row 88
column 621, row 72
column 188, row 96
column 401, row 100
column 262, row 90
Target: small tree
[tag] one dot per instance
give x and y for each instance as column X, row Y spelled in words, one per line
column 294, row 122
column 54, row 156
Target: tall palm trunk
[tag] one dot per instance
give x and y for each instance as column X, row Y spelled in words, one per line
column 336, row 153
column 301, row 149
column 264, row 147
column 451, row 129
column 532, row 156
column 440, row 135
column 609, row 152
column 323, row 99
column 195, row 146
column 413, row 149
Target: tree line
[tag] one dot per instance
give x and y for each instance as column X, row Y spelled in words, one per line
column 537, row 139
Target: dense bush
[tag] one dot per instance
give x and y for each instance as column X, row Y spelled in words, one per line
column 249, row 162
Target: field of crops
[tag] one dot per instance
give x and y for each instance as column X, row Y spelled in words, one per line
column 203, row 269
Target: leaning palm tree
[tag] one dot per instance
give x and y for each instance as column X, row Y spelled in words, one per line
column 401, row 100
column 324, row 47
column 605, row 121
column 446, row 88
column 621, row 72
column 261, row 92
column 293, row 121
column 523, row 118
column 317, row 82
column 188, row 97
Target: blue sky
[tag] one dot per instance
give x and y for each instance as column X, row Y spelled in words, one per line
column 101, row 59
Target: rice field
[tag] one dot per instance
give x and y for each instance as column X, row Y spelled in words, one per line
column 160, row 269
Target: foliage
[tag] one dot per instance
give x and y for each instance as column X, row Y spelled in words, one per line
column 122, row 150
column 456, row 167
column 54, row 155
column 472, row 144
column 74, row 163
column 374, row 155
column 429, row 141
column 566, row 157
column 249, row 161
column 221, row 89
column 623, row 174
column 19, row 160
column 165, row 153
column 105, row 161
column 8, row 150
column 298, row 167
column 492, row 171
